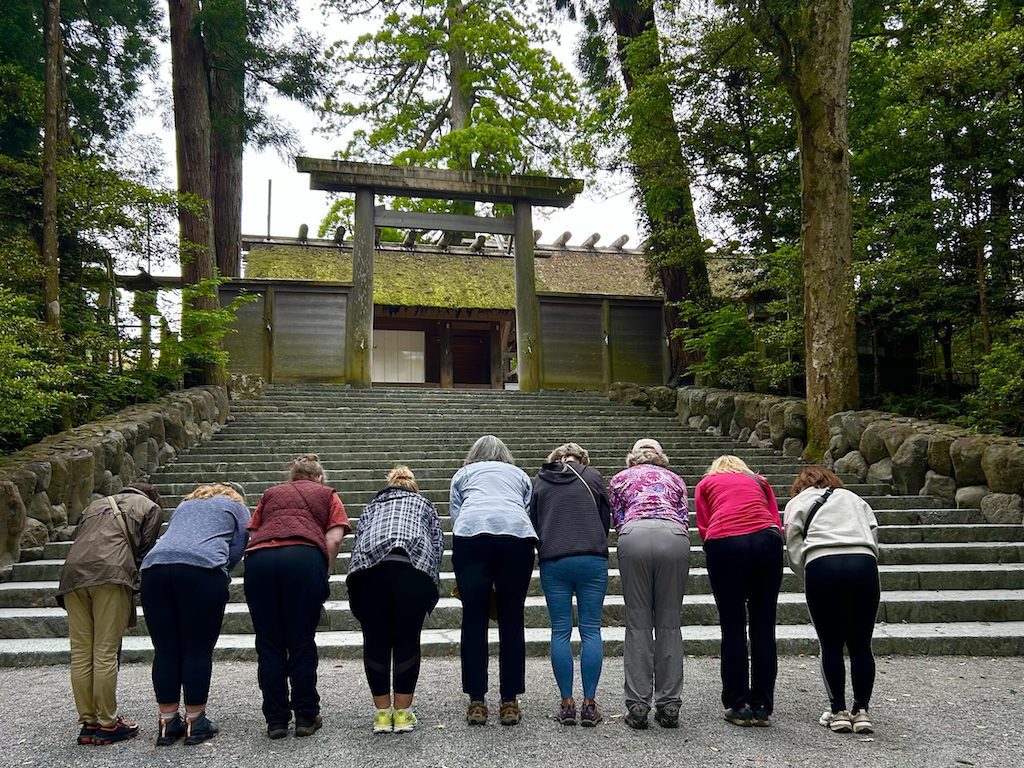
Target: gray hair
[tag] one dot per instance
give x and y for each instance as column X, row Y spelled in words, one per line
column 489, row 448
column 569, row 449
column 307, row 467
column 646, row 454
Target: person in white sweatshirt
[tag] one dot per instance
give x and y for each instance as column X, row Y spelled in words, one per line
column 832, row 540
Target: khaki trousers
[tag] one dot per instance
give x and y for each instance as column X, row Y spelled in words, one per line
column 97, row 619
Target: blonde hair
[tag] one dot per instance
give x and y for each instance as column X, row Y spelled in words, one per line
column 728, row 463
column 402, row 477
column 569, row 449
column 215, row 489
column 307, row 467
column 646, row 454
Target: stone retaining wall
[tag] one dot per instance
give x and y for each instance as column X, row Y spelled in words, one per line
column 916, row 456
column 45, row 487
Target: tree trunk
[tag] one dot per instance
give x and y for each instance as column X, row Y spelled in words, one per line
column 51, row 257
column 979, row 266
column 225, row 42
column 675, row 250
column 190, row 88
column 460, row 106
column 814, row 52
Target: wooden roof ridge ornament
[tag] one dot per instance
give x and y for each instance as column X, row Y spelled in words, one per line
column 367, row 180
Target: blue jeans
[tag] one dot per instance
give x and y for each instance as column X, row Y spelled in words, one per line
column 587, row 576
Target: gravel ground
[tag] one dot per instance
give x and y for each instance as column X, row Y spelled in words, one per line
column 928, row 711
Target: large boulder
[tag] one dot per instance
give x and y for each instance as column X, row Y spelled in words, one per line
column 1003, row 465
column 12, row 522
column 793, row 447
column 880, row 472
column 938, row 453
column 682, row 405
column 838, row 445
column 965, row 453
column 894, row 435
column 910, row 464
column 853, row 424
column 1003, row 508
column 795, row 419
column 662, row 399
column 970, row 496
column 940, row 486
column 763, row 430
column 852, row 463
column 58, row 488
column 872, row 443
column 748, row 412
column 36, row 534
column 81, row 481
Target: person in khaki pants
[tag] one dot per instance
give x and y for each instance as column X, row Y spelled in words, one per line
column 97, row 584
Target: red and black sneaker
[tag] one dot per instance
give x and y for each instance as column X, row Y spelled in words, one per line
column 119, row 731
column 88, row 733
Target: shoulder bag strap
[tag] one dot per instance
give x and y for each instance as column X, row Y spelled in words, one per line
column 818, row 504
column 764, row 486
column 119, row 516
column 586, row 485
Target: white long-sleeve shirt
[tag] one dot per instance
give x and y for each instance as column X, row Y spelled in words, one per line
column 491, row 497
column 844, row 525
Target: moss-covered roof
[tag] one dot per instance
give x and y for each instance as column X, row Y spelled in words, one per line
column 436, row 278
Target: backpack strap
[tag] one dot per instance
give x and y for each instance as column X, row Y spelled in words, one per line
column 818, row 504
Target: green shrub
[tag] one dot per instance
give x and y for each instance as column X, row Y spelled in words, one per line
column 998, row 402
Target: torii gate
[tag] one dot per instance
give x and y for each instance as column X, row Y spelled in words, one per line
column 367, row 180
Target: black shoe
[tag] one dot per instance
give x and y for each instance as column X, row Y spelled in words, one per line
column 307, row 726
column 200, row 729
column 636, row 716
column 277, row 730
column 88, row 733
column 742, row 717
column 761, row 717
column 170, row 731
column 667, row 716
column 119, row 731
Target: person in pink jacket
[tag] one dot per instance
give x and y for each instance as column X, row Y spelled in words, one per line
column 738, row 520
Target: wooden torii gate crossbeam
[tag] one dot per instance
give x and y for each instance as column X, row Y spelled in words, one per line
column 367, row 180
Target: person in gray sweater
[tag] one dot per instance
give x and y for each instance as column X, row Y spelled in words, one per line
column 185, row 581
column 832, row 540
column 571, row 512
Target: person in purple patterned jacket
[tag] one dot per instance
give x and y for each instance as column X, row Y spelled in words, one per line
column 651, row 518
column 392, row 586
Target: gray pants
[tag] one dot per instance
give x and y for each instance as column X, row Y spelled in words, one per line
column 654, row 563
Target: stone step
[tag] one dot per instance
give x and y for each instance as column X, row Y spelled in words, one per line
column 897, row 606
column 893, row 534
column 999, row 576
column 889, row 554
column 925, row 639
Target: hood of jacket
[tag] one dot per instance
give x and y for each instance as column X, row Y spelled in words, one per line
column 556, row 472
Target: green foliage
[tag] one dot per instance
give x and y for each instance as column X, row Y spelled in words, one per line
column 999, row 400
column 725, row 342
column 202, row 329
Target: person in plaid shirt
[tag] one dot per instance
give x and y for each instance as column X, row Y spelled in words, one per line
column 392, row 586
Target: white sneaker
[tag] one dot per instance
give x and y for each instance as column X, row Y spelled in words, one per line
column 862, row 722
column 839, row 722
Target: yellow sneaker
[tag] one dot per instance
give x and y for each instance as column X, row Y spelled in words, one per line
column 383, row 721
column 404, row 720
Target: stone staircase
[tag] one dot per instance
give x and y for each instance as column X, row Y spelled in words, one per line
column 951, row 583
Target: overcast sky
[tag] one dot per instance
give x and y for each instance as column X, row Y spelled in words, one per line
column 606, row 208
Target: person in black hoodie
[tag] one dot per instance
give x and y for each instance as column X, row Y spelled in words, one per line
column 571, row 513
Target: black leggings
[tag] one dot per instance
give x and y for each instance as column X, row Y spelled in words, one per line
column 391, row 600
column 502, row 564
column 184, row 608
column 842, row 596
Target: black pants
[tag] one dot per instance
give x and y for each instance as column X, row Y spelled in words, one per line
column 285, row 588
column 746, row 573
column 842, row 596
column 391, row 600
column 184, row 608
column 504, row 564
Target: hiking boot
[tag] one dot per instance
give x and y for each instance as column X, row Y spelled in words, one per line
column 383, row 721
column 509, row 712
column 566, row 713
column 636, row 716
column 277, row 730
column 119, row 731
column 476, row 713
column 590, row 715
column 742, row 716
column 307, row 726
column 761, row 718
column 199, row 729
column 404, row 720
column 667, row 716
column 862, row 722
column 170, row 730
column 88, row 733
column 839, row 722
